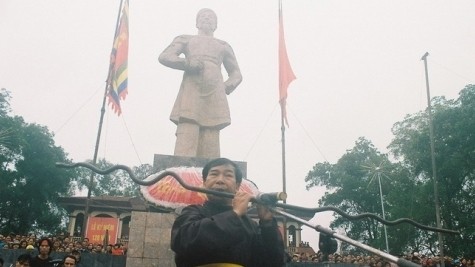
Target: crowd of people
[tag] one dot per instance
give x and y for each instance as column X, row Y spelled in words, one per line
column 61, row 243
column 72, row 247
column 377, row 261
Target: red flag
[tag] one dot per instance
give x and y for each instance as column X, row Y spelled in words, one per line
column 286, row 75
column 118, row 75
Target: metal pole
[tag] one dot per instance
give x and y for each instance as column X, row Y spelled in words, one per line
column 98, row 138
column 434, row 169
column 382, row 208
column 329, row 232
column 282, row 129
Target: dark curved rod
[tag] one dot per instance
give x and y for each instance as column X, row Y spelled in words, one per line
column 229, row 195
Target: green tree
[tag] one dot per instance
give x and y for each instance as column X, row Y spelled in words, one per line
column 117, row 183
column 353, row 186
column 454, row 128
column 30, row 183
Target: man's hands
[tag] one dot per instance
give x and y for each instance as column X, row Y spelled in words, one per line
column 264, row 213
column 241, row 204
column 193, row 65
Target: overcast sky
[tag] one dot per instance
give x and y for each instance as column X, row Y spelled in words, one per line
column 357, row 64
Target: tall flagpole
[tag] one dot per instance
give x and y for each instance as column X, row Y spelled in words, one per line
column 282, row 130
column 434, row 168
column 99, row 131
column 286, row 76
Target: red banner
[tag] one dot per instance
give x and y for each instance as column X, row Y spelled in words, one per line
column 96, row 230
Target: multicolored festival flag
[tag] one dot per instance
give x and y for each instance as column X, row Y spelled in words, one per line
column 286, row 75
column 118, row 76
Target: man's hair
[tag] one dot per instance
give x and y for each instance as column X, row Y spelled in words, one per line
column 71, row 257
column 23, row 258
column 219, row 162
column 50, row 244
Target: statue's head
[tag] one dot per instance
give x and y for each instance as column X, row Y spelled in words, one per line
column 206, row 20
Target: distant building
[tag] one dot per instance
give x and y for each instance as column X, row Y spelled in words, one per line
column 116, row 207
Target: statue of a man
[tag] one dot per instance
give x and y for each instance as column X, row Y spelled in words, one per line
column 201, row 109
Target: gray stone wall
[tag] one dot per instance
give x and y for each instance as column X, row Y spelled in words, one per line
column 149, row 240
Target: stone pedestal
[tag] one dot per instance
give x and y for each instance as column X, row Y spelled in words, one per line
column 149, row 241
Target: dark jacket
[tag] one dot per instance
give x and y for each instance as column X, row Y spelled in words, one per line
column 37, row 262
column 215, row 234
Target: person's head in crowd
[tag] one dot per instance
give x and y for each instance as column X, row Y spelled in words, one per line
column 90, row 247
column 69, row 261
column 30, row 247
column 31, row 241
column 315, row 258
column 56, row 245
column 23, row 244
column 108, row 249
column 429, row 262
column 77, row 254
column 15, row 245
column 24, row 260
column 296, row 257
column 45, row 246
column 77, row 245
column 98, row 248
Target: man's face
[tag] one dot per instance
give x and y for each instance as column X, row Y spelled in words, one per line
column 69, row 262
column 44, row 247
column 221, row 178
column 207, row 21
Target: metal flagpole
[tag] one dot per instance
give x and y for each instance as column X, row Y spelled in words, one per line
column 282, row 130
column 99, row 131
column 434, row 169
